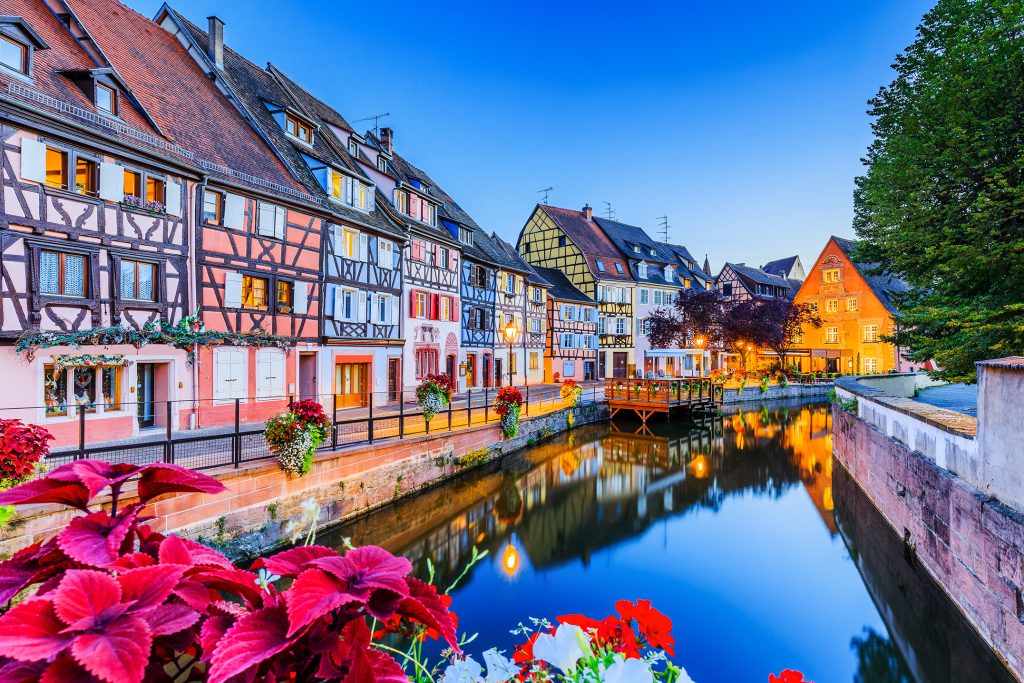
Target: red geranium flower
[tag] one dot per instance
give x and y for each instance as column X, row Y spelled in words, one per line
column 655, row 627
column 788, row 676
column 524, row 653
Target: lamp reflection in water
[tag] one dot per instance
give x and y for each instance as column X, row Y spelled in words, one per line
column 699, row 466
column 511, row 559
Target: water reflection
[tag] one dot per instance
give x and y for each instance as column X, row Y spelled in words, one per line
column 726, row 523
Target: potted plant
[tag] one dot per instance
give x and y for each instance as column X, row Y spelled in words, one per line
column 433, row 394
column 295, row 436
column 22, row 450
column 765, row 379
column 507, row 407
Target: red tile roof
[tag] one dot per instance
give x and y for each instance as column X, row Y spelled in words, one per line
column 591, row 240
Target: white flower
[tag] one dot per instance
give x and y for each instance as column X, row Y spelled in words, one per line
column 466, row 670
column 563, row 649
column 683, row 676
column 628, row 671
column 499, row 667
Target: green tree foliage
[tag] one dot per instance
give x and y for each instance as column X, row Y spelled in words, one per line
column 942, row 201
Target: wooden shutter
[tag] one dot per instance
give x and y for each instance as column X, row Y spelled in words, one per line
column 234, row 211
column 33, row 160
column 280, row 218
column 364, row 247
column 231, row 377
column 371, row 197
column 432, row 306
column 301, row 301
column 172, row 195
column 339, row 303
column 393, row 305
column 232, row 290
column 112, row 183
column 361, row 307
column 384, row 258
column 412, row 303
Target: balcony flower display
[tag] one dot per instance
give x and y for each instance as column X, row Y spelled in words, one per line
column 295, row 436
column 433, row 394
column 507, row 406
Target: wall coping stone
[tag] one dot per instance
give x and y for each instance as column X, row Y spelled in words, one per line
column 945, row 419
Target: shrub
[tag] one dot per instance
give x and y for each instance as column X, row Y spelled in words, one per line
column 22, row 447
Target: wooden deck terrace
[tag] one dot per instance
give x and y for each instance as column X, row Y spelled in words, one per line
column 647, row 397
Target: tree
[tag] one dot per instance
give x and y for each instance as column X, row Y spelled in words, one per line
column 941, row 204
column 783, row 323
column 697, row 316
column 743, row 327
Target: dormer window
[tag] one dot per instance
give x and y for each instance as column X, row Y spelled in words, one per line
column 600, row 265
column 353, row 148
column 466, row 236
column 636, row 248
column 618, row 268
column 13, row 55
column 300, row 130
column 669, row 273
column 641, row 270
column 106, row 99
column 382, row 164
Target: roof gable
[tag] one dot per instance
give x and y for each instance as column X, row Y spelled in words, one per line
column 591, row 240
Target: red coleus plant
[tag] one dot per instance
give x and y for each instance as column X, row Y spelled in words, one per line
column 22, row 446
column 311, row 413
column 116, row 601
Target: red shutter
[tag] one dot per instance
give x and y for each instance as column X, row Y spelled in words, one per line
column 414, row 206
column 412, row 303
column 433, row 306
column 437, row 256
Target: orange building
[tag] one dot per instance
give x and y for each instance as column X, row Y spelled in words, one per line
column 856, row 310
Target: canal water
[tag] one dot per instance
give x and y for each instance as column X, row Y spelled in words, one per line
column 736, row 527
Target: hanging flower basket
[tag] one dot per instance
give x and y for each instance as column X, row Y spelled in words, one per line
column 507, row 406
column 433, row 394
column 570, row 393
column 295, row 436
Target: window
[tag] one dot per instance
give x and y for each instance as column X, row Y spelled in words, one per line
column 600, row 265
column 535, row 325
column 86, row 176
column 618, row 268
column 254, row 292
column 602, row 325
column 870, row 333
column 527, row 247
column 686, row 283
column 446, row 308
column 132, row 183
column 270, row 373
column 213, row 207
column 299, row 130
column 445, row 259
column 536, row 294
column 512, row 364
column 851, row 304
column 285, row 296
column 62, row 274
column 13, row 55
column 56, row 168
column 90, row 388
column 727, row 289
column 386, row 254
column 641, row 270
column 55, row 391
column 534, row 362
column 643, row 327
column 830, row 275
column 871, row 365
column 383, row 309
column 831, row 335
column 832, row 306
column 669, row 273
column 344, row 304
column 659, row 297
column 270, row 220
column 353, row 147
column 415, row 207
column 382, row 164
column 350, row 243
column 465, row 235
column 155, row 189
column 142, row 185
column 106, row 99
column 421, row 304
column 569, row 368
column 561, row 241
column 510, row 283
column 426, row 362
column 620, row 326
column 138, row 280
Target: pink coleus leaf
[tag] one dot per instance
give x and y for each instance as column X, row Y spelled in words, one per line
column 66, row 670
column 95, row 539
column 95, row 475
column 293, row 562
column 146, row 588
column 363, row 573
column 314, row 594
column 212, row 632
column 132, row 561
column 30, row 565
column 117, row 653
column 86, row 596
column 425, row 606
column 170, row 619
column 32, row 631
column 255, row 638
column 177, row 550
column 22, row 672
column 157, row 479
column 48, row 490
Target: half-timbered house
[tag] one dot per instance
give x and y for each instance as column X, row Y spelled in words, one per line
column 353, row 355
column 571, row 335
column 740, row 282
column 532, row 322
column 571, row 241
column 688, row 273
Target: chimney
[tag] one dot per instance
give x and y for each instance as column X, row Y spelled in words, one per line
column 215, row 41
column 386, row 137
column 588, row 212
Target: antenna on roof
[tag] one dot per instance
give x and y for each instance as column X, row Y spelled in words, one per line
column 546, row 191
column 376, row 121
column 664, row 228
column 609, row 211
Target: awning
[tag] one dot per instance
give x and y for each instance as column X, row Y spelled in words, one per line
column 673, row 353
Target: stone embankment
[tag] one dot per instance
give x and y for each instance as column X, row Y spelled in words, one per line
column 946, row 483
column 753, row 393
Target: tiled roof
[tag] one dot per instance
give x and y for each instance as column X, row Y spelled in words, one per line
column 629, row 238
column 518, row 263
column 780, row 267
column 677, row 252
column 561, row 288
column 757, row 275
column 883, row 285
column 406, row 172
column 591, row 240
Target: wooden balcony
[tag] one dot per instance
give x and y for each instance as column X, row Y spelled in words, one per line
column 647, row 397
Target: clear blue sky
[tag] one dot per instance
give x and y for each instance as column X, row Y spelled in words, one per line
column 743, row 122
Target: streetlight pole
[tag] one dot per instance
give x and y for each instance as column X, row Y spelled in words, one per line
column 510, row 332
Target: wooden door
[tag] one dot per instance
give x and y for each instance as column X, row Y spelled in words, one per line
column 350, row 384
column 394, row 378
column 618, row 364
column 470, row 370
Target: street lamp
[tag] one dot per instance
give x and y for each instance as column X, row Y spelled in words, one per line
column 510, row 333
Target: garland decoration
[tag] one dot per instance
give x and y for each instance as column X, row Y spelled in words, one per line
column 189, row 334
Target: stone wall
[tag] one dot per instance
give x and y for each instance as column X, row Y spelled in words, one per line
column 262, row 503
column 970, row 543
column 752, row 393
column 1000, row 420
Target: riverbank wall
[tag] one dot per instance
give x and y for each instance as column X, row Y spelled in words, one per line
column 753, row 393
column 263, row 506
column 925, row 469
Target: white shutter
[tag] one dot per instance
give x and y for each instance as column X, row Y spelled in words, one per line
column 384, row 248
column 172, row 195
column 280, row 216
column 301, row 295
column 336, row 240
column 329, row 181
column 339, row 303
column 263, row 372
column 232, row 290
column 364, row 247
column 395, row 305
column 361, row 307
column 371, row 197
column 277, row 363
column 112, row 182
column 230, row 373
column 234, row 211
column 33, row 160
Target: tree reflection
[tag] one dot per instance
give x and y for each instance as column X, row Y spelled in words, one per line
column 878, row 660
